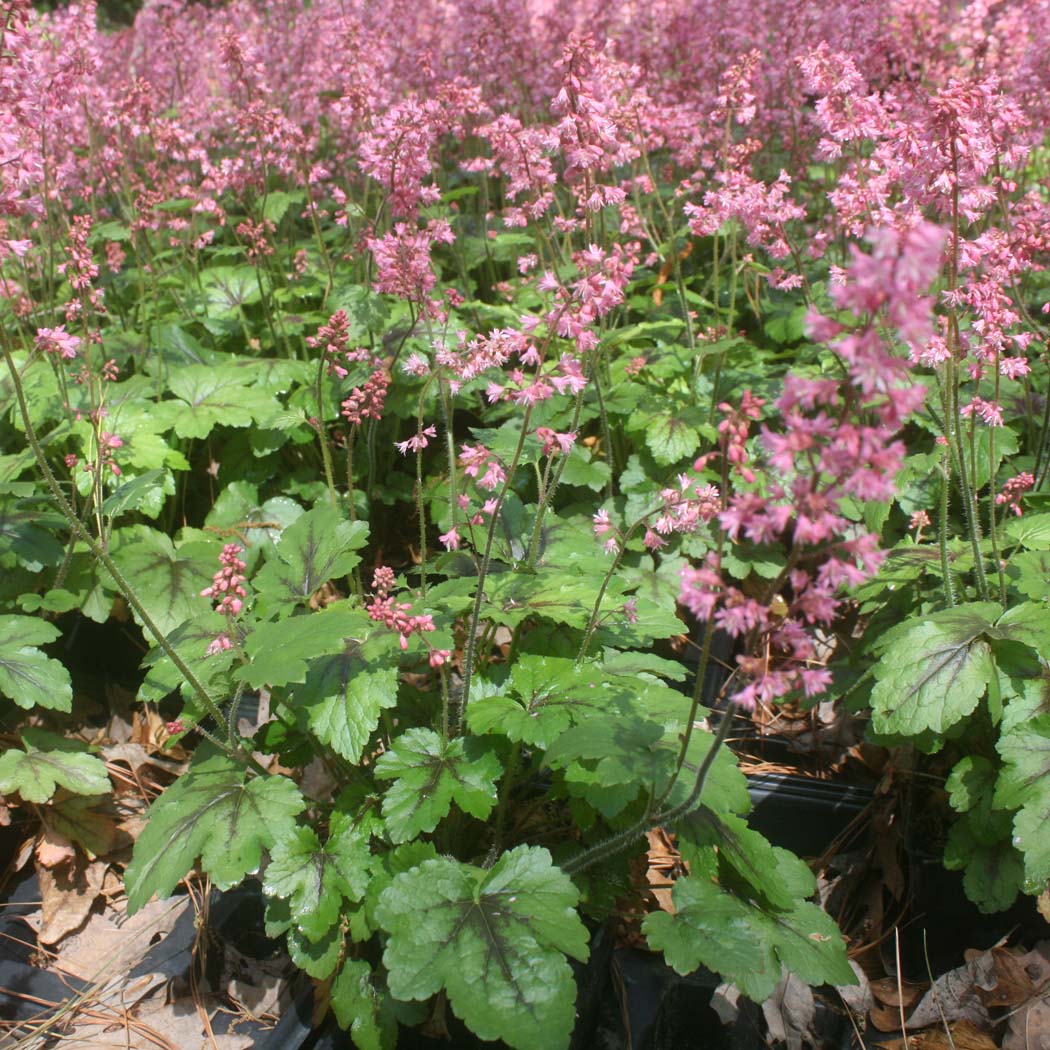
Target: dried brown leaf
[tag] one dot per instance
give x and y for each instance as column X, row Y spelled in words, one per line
column 113, row 942
column 1013, row 984
column 960, row 1036
column 53, row 849
column 68, row 894
column 790, row 1012
column 956, row 995
column 1029, row 1027
column 891, row 993
column 24, row 852
column 885, row 1018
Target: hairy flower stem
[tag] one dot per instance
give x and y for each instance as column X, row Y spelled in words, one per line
column 608, row 849
column 470, row 655
column 450, row 451
column 942, row 533
column 322, row 432
column 103, row 557
column 421, row 511
column 694, row 703
column 510, row 777
column 992, row 530
column 548, row 487
column 592, row 620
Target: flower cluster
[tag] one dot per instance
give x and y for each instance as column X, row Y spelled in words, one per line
column 367, row 401
column 1014, row 489
column 835, row 440
column 397, row 616
column 227, row 586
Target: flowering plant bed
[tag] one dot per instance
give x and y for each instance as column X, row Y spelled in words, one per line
column 409, row 390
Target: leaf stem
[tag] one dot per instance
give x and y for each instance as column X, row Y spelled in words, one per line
column 617, row 843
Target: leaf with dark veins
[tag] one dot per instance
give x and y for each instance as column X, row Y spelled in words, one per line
column 318, row 546
column 1024, row 785
column 936, row 672
column 36, row 774
column 316, row 879
column 495, row 940
column 430, row 774
column 214, row 812
column 28, row 675
column 169, row 580
column 345, row 693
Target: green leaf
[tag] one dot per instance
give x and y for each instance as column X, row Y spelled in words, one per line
column 992, row 871
column 635, row 665
column 317, row 958
column 344, row 695
column 1024, row 785
column 214, row 812
column 227, row 288
column 748, row 945
column 581, row 468
column 612, row 753
column 771, row 874
column 367, row 309
column 281, row 651
column 27, row 675
column 257, row 526
column 317, row 547
column 971, row 783
column 670, row 440
column 359, row 1007
column 278, row 202
column 191, row 641
column 314, row 879
column 713, row 928
column 1031, row 531
column 494, row 940
column 546, row 696
column 36, row 774
column 936, row 671
column 169, row 580
column 430, row 774
column 132, row 494
column 215, row 395
column 25, row 536
column 553, row 593
column 1029, row 572
column 1028, row 623
column 786, row 325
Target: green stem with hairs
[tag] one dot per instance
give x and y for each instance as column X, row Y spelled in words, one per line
column 603, row 851
column 470, row 655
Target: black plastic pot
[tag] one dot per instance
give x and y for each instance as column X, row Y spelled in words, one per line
column 802, row 814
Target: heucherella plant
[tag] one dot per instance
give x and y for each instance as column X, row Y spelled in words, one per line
column 416, row 395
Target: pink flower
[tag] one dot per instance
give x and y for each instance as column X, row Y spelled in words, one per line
column 57, row 341
column 220, row 644
column 417, row 442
